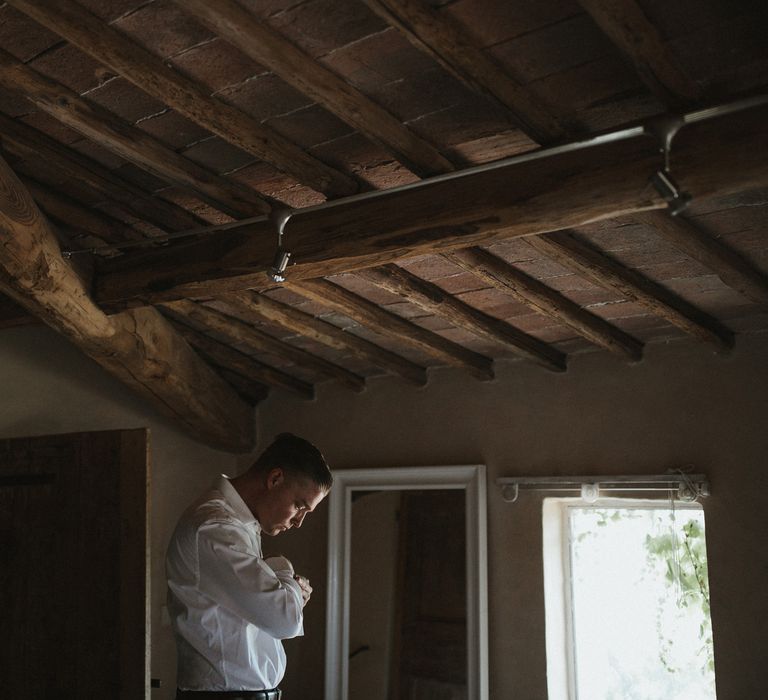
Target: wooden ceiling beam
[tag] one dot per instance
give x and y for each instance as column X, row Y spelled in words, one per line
column 526, row 196
column 629, row 29
column 537, row 295
column 730, row 266
column 103, row 127
column 249, row 390
column 263, row 308
column 28, row 143
column 256, row 39
column 433, row 299
column 150, row 73
column 446, row 41
column 78, row 218
column 388, row 324
column 242, row 365
column 138, row 346
column 239, row 332
column 584, row 259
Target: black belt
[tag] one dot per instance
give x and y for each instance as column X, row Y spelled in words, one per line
column 229, row 694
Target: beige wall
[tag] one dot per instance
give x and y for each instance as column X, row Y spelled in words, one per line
column 47, row 386
column 681, row 405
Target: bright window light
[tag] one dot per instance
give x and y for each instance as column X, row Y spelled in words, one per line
column 627, row 601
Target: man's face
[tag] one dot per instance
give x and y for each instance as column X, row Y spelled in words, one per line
column 289, row 500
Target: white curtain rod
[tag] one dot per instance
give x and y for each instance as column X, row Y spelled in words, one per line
column 689, row 487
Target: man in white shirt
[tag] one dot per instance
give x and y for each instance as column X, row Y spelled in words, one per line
column 229, row 606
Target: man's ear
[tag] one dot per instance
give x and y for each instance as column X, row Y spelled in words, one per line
column 275, row 477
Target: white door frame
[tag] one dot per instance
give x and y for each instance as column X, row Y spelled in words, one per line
column 471, row 479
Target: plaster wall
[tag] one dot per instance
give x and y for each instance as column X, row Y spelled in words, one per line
column 47, row 386
column 682, row 405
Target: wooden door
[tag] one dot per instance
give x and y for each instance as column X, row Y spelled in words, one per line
column 73, row 566
column 430, row 659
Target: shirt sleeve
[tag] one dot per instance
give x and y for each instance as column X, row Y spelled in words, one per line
column 238, row 579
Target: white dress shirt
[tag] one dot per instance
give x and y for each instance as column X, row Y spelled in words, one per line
column 229, row 607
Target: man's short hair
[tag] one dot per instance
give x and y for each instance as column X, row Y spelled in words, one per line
column 296, row 457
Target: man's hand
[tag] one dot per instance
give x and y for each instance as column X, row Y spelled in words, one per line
column 306, row 589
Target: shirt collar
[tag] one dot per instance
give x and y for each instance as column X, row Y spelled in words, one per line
column 234, row 499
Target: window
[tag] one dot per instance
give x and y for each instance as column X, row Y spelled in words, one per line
column 627, row 601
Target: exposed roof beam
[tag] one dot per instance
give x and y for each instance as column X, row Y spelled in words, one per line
column 547, row 301
column 388, row 324
column 112, row 48
column 434, row 300
column 256, row 39
column 251, row 391
column 236, row 331
column 130, row 142
column 78, row 218
column 30, row 144
column 446, row 41
column 630, row 30
column 518, row 197
column 243, row 365
column 584, row 259
column 262, row 307
column 138, row 346
column 731, row 267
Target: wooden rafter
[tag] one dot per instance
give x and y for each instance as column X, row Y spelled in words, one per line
column 30, row 144
column 243, row 365
column 730, row 266
column 103, row 127
column 534, row 293
column 250, row 390
column 387, row 323
column 238, row 332
column 263, row 308
column 556, row 191
column 434, row 300
column 449, row 43
column 574, row 253
column 138, row 346
column 240, row 28
column 112, row 48
column 77, row 218
column 630, row 30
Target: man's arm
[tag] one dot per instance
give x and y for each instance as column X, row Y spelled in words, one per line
column 244, row 583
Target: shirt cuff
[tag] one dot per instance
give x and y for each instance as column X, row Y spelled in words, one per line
column 280, row 564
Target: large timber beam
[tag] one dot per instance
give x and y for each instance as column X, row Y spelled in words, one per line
column 150, row 73
column 523, row 196
column 138, row 346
